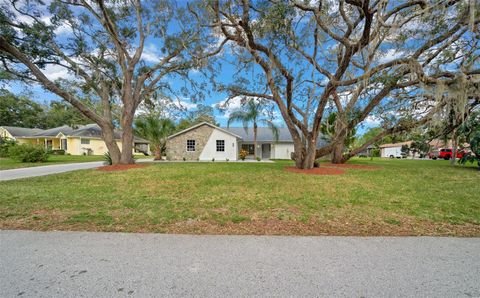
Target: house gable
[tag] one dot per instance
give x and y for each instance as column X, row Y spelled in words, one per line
column 177, row 143
column 5, row 133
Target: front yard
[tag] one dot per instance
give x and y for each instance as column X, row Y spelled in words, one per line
column 8, row 163
column 403, row 197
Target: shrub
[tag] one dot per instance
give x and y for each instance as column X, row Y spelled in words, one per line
column 213, row 159
column 5, row 144
column 184, row 158
column 475, row 154
column 57, row 152
column 28, row 153
column 227, row 160
column 258, row 158
column 243, row 154
column 375, row 152
column 107, row 158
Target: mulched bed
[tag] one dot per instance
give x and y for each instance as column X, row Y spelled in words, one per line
column 316, row 171
column 350, row 166
column 120, row 167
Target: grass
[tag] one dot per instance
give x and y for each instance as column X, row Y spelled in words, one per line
column 403, row 197
column 8, row 163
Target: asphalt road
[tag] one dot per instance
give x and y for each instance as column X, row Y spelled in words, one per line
column 46, row 170
column 80, row 264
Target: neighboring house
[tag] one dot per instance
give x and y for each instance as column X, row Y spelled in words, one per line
column 206, row 141
column 366, row 152
column 392, row 150
column 82, row 140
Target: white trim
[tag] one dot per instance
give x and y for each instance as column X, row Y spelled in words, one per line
column 200, row 124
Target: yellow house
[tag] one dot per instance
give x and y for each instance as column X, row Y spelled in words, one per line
column 81, row 140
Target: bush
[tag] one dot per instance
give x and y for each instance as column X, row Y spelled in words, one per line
column 375, row 152
column 57, row 152
column 107, row 159
column 243, row 154
column 5, row 144
column 28, row 153
column 258, row 158
column 475, row 154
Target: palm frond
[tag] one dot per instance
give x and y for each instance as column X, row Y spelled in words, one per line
column 273, row 128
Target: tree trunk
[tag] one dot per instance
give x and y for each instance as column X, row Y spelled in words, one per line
column 254, row 140
column 454, row 147
column 109, row 139
column 127, row 135
column 158, row 153
column 127, row 145
column 305, row 154
column 337, row 153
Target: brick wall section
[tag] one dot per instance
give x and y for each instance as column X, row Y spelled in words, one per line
column 177, row 146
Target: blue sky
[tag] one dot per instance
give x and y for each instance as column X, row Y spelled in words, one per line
column 150, row 55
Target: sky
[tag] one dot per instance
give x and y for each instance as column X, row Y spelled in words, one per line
column 152, row 54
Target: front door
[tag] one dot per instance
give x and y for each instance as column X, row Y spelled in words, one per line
column 64, row 144
column 266, row 150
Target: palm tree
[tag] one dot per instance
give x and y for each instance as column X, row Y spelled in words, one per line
column 156, row 130
column 252, row 111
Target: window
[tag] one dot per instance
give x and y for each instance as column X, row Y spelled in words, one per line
column 220, row 145
column 191, row 145
column 85, row 141
column 250, row 148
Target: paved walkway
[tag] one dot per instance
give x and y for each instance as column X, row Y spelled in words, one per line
column 46, row 170
column 68, row 264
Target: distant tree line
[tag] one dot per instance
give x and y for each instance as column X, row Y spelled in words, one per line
column 22, row 111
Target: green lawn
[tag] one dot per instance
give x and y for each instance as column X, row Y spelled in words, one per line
column 403, row 197
column 8, row 163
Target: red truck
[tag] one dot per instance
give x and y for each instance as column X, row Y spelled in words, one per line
column 447, row 153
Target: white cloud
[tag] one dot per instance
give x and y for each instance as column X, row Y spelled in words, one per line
column 184, row 104
column 151, row 54
column 229, row 105
column 372, row 121
column 54, row 72
column 390, row 55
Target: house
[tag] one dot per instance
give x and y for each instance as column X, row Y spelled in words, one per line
column 367, row 152
column 206, row 141
column 81, row 140
column 393, row 150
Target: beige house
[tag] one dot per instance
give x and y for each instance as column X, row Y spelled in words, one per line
column 81, row 140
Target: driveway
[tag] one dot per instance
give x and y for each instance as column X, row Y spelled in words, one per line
column 67, row 264
column 46, row 170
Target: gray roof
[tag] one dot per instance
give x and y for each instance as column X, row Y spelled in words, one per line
column 53, row 132
column 85, row 131
column 265, row 134
column 21, row 131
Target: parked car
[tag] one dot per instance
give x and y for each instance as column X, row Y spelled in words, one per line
column 446, row 153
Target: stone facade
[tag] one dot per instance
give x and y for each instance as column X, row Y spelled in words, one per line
column 177, row 145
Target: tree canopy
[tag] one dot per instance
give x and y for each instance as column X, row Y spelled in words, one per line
column 100, row 47
column 359, row 59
